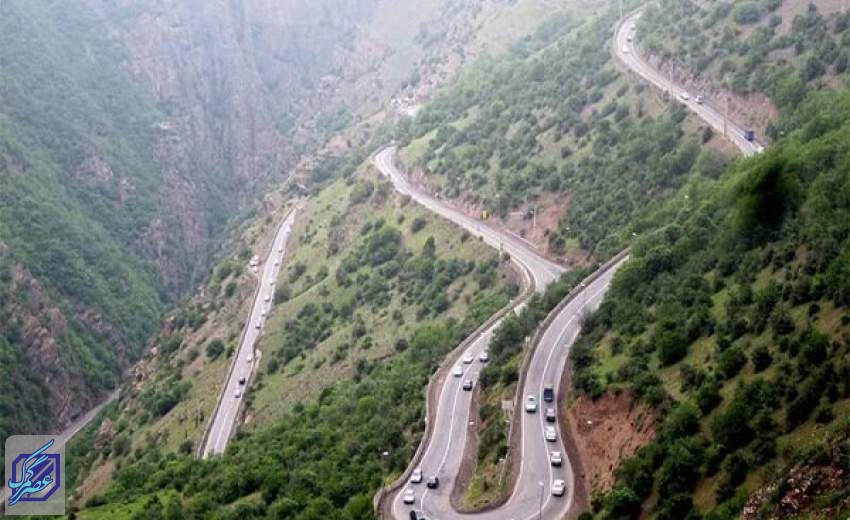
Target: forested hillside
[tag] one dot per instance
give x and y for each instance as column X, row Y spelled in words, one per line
column 77, row 301
column 773, row 46
column 556, row 123
column 732, row 319
column 375, row 293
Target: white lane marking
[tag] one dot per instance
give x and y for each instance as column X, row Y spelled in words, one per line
column 458, row 393
column 582, row 306
column 223, row 421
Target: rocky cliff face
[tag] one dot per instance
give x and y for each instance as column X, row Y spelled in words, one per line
column 231, row 78
column 134, row 130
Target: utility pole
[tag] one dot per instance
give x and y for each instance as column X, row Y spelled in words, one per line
column 534, row 218
column 540, row 510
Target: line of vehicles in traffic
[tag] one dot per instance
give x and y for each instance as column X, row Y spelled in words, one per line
column 550, row 434
column 433, row 482
column 263, row 313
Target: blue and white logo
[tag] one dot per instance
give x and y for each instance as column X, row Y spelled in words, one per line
column 35, row 476
column 34, row 471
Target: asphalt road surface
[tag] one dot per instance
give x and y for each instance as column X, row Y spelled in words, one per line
column 709, row 110
column 532, row 495
column 245, row 360
column 443, row 454
column 67, row 434
column 543, row 271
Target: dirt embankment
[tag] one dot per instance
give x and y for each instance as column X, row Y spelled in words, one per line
column 604, row 433
column 520, row 221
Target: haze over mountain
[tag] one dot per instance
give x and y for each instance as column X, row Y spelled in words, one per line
column 442, row 163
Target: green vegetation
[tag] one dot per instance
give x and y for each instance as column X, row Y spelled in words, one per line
column 728, row 322
column 67, row 111
column 360, row 279
column 367, row 310
column 771, row 46
column 556, row 116
column 498, row 382
column 322, row 460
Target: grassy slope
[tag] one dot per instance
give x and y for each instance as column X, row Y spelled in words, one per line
column 337, row 356
column 301, row 381
column 175, row 386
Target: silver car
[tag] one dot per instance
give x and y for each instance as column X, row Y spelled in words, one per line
column 531, row 404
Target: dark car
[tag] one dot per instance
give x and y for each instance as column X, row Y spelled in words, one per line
column 467, row 385
column 548, row 393
column 433, row 483
column 550, row 415
column 242, row 380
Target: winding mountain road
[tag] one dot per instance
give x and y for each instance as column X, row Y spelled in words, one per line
column 627, row 52
column 244, row 361
column 443, row 450
column 543, row 271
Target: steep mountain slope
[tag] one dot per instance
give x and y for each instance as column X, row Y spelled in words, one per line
column 78, row 189
column 135, row 135
column 555, row 129
column 756, row 55
column 732, row 320
column 375, row 291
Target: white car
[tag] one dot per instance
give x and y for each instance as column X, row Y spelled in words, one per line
column 268, row 298
column 250, row 358
column 556, row 459
column 271, row 282
column 258, row 325
column 531, row 404
column 409, row 496
column 484, row 356
column 558, row 488
column 277, row 262
column 550, row 434
column 263, row 313
column 625, row 49
column 685, row 96
column 416, row 476
column 468, row 358
column 458, row 371
column 237, row 394
column 280, row 249
column 699, row 99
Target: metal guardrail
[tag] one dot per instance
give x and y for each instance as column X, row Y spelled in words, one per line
column 514, row 430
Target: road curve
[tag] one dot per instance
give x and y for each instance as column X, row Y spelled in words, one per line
column 443, row 453
column 627, row 52
column 244, row 361
column 531, row 495
column 543, row 271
